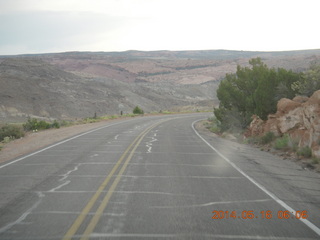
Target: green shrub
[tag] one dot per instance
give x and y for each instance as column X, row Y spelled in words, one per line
column 252, row 90
column 8, row 132
column 214, row 125
column 33, row 124
column 65, row 123
column 281, row 143
column 89, row 120
column 55, row 124
column 305, row 152
column 293, row 144
column 215, row 129
column 43, row 125
column 267, row 138
column 7, row 139
column 137, row 110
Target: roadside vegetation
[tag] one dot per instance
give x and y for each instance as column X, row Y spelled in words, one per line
column 9, row 132
column 255, row 90
column 34, row 124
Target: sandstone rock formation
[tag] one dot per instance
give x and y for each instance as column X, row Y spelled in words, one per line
column 299, row 118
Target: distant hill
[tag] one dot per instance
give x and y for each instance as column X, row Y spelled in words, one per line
column 35, row 88
column 78, row 84
column 181, row 67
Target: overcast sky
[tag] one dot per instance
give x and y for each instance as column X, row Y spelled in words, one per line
column 42, row 26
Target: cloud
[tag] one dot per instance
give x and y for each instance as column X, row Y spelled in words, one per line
column 35, row 26
column 45, row 31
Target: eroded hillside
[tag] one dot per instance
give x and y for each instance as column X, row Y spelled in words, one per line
column 35, row 88
column 179, row 67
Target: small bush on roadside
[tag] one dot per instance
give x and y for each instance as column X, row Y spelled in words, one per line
column 31, row 124
column 211, row 119
column 7, row 139
column 214, row 125
column 65, row 123
column 267, row 138
column 9, row 132
column 305, row 152
column 137, row 110
column 215, row 129
column 293, row 144
column 43, row 125
column 55, row 124
column 281, row 143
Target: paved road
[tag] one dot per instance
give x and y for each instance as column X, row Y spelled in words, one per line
column 156, row 178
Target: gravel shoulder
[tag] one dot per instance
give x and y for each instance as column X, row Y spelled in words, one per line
column 279, row 154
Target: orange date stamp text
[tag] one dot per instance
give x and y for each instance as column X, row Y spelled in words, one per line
column 267, row 214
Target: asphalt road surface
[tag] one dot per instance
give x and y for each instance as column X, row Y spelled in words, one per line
column 156, row 178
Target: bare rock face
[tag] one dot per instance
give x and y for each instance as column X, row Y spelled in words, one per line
column 256, row 127
column 289, row 115
column 299, row 118
column 300, row 99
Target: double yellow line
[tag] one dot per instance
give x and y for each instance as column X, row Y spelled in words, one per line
column 95, row 219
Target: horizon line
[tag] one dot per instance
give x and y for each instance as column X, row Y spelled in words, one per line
column 152, row 51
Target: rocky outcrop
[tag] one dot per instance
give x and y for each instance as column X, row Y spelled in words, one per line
column 299, row 118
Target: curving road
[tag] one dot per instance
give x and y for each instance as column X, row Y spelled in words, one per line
column 156, row 178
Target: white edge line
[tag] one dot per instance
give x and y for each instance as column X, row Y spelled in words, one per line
column 59, row 143
column 274, row 197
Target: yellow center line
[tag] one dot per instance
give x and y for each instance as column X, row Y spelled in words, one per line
column 75, row 226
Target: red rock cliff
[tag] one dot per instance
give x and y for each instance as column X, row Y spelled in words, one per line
column 299, row 118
